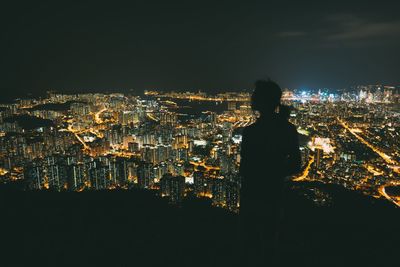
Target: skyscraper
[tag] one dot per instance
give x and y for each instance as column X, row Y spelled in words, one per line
column 144, row 174
column 318, row 157
column 173, row 187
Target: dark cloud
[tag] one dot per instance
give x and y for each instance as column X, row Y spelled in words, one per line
column 292, row 34
column 351, row 27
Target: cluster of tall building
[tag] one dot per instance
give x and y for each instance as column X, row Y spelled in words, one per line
column 66, row 172
column 378, row 94
column 109, row 141
column 104, row 142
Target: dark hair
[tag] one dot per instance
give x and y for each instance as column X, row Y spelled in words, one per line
column 266, row 96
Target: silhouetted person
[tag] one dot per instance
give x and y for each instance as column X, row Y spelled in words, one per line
column 269, row 153
column 284, row 112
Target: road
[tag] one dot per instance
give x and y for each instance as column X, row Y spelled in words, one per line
column 76, row 133
column 152, row 117
column 303, row 177
column 382, row 192
column 97, row 116
column 202, row 164
column 391, row 163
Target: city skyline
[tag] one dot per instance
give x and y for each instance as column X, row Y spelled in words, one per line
column 15, row 96
column 200, row 133
column 189, row 142
column 85, row 175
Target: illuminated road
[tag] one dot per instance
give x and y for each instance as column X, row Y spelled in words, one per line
column 97, row 119
column 3, row 171
column 152, row 117
column 303, row 177
column 71, row 129
column 382, row 191
column 99, row 135
column 170, row 103
column 392, row 163
column 97, row 116
column 96, row 133
column 242, row 124
column 197, row 164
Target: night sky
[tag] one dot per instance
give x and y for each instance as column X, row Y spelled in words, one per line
column 196, row 45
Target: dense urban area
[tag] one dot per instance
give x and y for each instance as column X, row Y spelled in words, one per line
column 181, row 144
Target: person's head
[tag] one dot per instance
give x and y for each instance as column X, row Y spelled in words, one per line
column 266, row 97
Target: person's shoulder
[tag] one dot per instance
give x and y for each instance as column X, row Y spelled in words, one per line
column 292, row 127
column 287, row 126
column 249, row 129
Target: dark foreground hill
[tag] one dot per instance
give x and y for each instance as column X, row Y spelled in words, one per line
column 135, row 228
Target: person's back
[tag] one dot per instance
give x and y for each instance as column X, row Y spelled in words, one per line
column 269, row 152
column 266, row 147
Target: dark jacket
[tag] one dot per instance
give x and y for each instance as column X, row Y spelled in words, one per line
column 269, row 153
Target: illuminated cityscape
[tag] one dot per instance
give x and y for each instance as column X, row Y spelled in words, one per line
column 180, row 144
column 200, row 133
